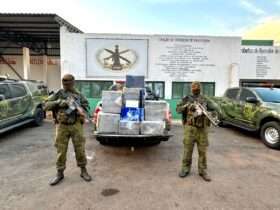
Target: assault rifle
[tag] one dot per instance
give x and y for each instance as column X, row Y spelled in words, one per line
column 201, row 110
column 214, row 120
column 74, row 104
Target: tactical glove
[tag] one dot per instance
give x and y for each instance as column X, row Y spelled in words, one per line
column 192, row 107
column 62, row 103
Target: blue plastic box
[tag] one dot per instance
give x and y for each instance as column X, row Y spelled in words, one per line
column 132, row 114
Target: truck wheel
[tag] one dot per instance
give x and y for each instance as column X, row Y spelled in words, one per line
column 222, row 124
column 270, row 134
column 38, row 117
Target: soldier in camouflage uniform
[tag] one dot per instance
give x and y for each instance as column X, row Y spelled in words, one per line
column 68, row 125
column 195, row 131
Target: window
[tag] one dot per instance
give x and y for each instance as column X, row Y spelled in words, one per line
column 208, row 88
column 93, row 89
column 37, row 89
column 181, row 89
column 157, row 88
column 232, row 93
column 246, row 93
column 18, row 90
column 268, row 94
column 4, row 90
column 32, row 88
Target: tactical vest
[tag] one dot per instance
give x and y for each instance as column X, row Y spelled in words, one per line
column 198, row 121
column 62, row 116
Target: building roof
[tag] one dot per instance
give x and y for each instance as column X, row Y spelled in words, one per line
column 35, row 31
column 269, row 30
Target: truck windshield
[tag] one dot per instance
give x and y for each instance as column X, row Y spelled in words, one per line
column 269, row 95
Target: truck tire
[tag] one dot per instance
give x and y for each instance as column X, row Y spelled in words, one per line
column 270, row 134
column 38, row 116
column 221, row 123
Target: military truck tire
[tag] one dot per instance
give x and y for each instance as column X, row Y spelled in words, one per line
column 222, row 124
column 270, row 134
column 38, row 117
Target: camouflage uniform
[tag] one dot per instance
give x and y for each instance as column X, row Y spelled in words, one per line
column 195, row 131
column 69, row 124
column 68, row 127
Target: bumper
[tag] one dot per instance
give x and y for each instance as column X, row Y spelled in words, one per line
column 131, row 137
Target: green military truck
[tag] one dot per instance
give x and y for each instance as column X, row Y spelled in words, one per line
column 21, row 102
column 254, row 109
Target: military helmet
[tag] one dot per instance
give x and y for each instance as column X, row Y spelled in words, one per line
column 196, row 83
column 68, row 78
column 68, row 81
column 196, row 87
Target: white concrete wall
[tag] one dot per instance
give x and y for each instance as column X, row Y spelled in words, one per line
column 14, row 61
column 260, row 62
column 36, row 69
column 222, row 64
column 194, row 58
column 72, row 53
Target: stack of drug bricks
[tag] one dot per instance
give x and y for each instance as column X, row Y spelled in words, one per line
column 109, row 118
column 127, row 113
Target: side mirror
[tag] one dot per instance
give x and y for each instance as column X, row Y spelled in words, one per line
column 252, row 100
column 2, row 97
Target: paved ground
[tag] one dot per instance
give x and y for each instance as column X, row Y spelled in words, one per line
column 246, row 174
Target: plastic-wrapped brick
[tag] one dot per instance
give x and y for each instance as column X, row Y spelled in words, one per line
column 129, row 128
column 112, row 102
column 108, row 123
column 152, row 127
column 155, row 110
column 132, row 93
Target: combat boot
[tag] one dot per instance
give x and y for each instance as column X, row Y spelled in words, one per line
column 205, row 176
column 85, row 175
column 183, row 173
column 58, row 178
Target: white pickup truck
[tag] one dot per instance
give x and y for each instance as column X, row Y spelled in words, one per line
column 108, row 138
